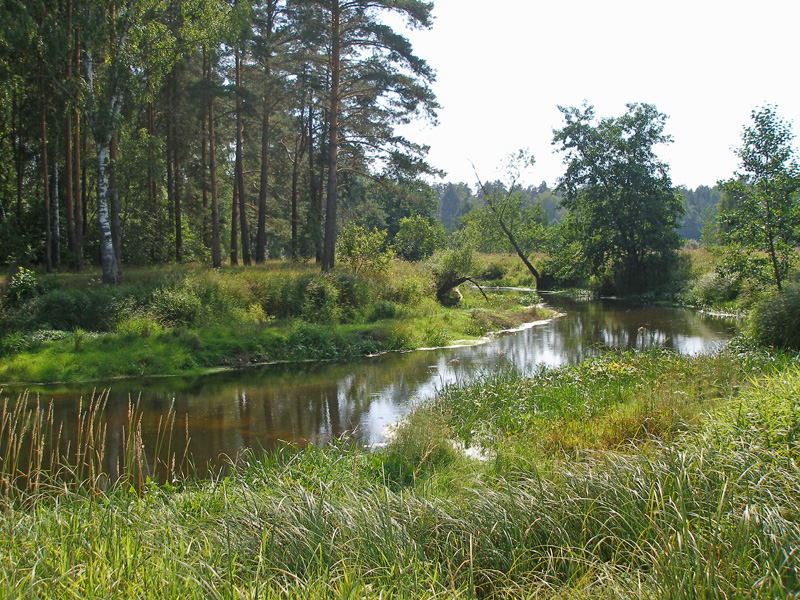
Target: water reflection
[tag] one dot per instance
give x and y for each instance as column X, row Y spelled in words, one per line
column 315, row 403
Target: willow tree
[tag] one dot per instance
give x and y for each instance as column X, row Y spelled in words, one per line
column 375, row 82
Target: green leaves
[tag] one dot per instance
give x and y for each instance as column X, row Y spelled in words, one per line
column 623, row 211
column 763, row 214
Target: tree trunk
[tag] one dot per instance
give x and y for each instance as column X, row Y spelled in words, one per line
column 204, row 163
column 295, row 176
column 116, row 229
column 54, row 200
column 329, row 243
column 16, row 138
column 152, row 190
column 48, row 257
column 108, row 259
column 68, row 188
column 76, row 161
column 76, row 186
column 234, row 219
column 261, row 233
column 239, row 184
column 216, row 252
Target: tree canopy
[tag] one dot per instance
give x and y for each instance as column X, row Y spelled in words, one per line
column 622, row 209
column 762, row 198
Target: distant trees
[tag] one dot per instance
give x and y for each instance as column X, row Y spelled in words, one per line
column 623, row 212
column 762, row 209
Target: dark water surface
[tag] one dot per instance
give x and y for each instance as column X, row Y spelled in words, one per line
column 317, row 402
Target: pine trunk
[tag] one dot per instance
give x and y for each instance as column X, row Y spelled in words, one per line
column 329, row 244
column 240, row 166
column 48, row 248
column 216, row 252
column 261, row 228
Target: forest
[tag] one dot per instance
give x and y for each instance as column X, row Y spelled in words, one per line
column 147, row 133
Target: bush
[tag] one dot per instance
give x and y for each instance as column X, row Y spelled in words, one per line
column 714, row 289
column 419, row 237
column 419, row 446
column 321, row 302
column 363, row 250
column 450, row 268
column 176, row 307
column 93, row 309
column 23, row 286
column 384, row 309
column 776, row 320
column 139, row 325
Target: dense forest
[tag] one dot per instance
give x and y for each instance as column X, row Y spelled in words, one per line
column 185, row 131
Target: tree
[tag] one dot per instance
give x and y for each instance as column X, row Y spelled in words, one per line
column 375, row 81
column 505, row 209
column 622, row 210
column 418, row 237
column 764, row 215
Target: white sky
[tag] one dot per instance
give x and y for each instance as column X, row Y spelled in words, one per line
column 504, row 66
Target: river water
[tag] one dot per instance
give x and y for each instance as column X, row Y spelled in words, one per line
column 315, row 403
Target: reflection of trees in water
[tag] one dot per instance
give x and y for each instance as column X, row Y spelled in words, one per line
column 315, row 403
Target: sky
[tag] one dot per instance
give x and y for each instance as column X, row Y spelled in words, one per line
column 503, row 68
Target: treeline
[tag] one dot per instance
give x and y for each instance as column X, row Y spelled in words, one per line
column 456, row 202
column 148, row 131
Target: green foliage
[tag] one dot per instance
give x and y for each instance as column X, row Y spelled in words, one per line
column 623, row 213
column 418, row 447
column 712, row 289
column 419, row 237
column 322, row 301
column 450, row 268
column 176, row 306
column 23, row 285
column 762, row 210
column 362, row 250
column 775, row 321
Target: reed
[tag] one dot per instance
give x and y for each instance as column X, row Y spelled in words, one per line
column 40, row 456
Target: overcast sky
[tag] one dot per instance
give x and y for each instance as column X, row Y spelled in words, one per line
column 504, row 66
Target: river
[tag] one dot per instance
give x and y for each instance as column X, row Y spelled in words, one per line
column 315, row 403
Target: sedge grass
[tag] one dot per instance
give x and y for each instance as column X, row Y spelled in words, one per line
column 707, row 512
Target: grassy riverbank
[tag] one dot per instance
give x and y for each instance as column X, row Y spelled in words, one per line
column 189, row 320
column 635, row 475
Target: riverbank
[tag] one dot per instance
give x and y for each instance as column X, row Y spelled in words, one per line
column 191, row 321
column 583, row 496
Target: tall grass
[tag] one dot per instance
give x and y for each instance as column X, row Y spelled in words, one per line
column 709, row 513
column 40, row 455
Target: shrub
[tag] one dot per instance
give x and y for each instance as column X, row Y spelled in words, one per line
column 139, row 325
column 92, row 309
column 176, row 307
column 321, row 302
column 418, row 447
column 776, row 320
column 450, row 268
column 23, row 285
column 364, row 250
column 713, row 289
column 384, row 309
column 419, row 237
